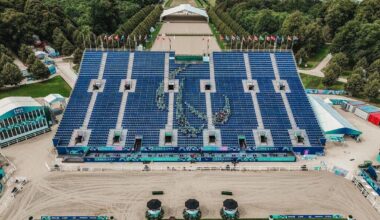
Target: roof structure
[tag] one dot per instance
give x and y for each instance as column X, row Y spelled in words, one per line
column 184, row 9
column 10, row 103
column 331, row 122
column 53, row 98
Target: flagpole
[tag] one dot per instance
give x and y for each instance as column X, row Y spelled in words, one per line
column 84, row 41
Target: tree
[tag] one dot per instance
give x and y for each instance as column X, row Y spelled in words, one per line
column 67, row 48
column 312, row 39
column 332, row 73
column 338, row 13
column 23, row 52
column 58, row 39
column 355, row 84
column 368, row 11
column 301, row 56
column 371, row 90
column 293, row 24
column 362, row 63
column 11, row 74
column 77, row 56
column 39, row 70
column 375, row 66
column 31, row 59
column 104, row 15
column 341, row 60
column 4, row 59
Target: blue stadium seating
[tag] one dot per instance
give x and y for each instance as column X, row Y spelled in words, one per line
column 77, row 107
column 141, row 115
column 229, row 74
column 108, row 101
column 299, row 103
column 193, row 96
column 272, row 107
column 143, row 118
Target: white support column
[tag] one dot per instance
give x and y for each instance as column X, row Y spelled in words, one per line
column 254, row 92
column 169, row 123
column 283, row 93
column 125, row 93
column 94, row 93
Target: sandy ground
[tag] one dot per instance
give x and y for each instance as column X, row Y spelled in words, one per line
column 185, row 28
column 189, row 45
column 124, row 195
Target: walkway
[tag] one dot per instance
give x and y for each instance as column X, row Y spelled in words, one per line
column 317, row 71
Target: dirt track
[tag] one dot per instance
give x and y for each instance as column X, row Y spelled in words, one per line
column 124, row 195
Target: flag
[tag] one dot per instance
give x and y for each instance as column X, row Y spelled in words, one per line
column 146, row 37
column 140, row 37
column 105, row 37
column 221, row 37
column 227, row 38
column 233, row 37
column 295, row 38
column 268, row 38
column 289, row 38
column 272, row 38
column 255, row 38
column 237, row 38
column 279, row 39
column 249, row 38
column 117, row 37
column 110, row 38
column 261, row 38
column 122, row 38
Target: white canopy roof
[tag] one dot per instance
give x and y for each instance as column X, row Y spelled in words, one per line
column 10, row 103
column 184, row 8
column 329, row 119
column 53, row 98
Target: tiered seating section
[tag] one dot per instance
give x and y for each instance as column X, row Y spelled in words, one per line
column 229, row 75
column 77, row 107
column 272, row 107
column 143, row 118
column 301, row 108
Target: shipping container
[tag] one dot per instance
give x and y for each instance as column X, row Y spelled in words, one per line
column 352, row 105
column 365, row 110
column 374, row 118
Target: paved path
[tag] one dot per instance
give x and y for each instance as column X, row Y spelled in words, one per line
column 317, row 71
column 65, row 71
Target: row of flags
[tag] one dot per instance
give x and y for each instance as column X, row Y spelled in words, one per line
column 123, row 38
column 268, row 38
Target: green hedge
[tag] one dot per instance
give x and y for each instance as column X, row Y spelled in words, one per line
column 150, row 20
column 135, row 20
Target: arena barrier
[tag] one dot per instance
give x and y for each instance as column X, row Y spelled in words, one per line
column 325, row 92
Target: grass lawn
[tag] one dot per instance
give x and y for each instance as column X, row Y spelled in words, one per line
column 318, row 57
column 315, row 82
column 42, row 89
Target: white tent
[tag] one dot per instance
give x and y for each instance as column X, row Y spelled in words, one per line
column 11, row 103
column 56, row 102
column 184, row 9
column 331, row 122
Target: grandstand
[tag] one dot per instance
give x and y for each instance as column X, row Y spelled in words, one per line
column 22, row 118
column 152, row 106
